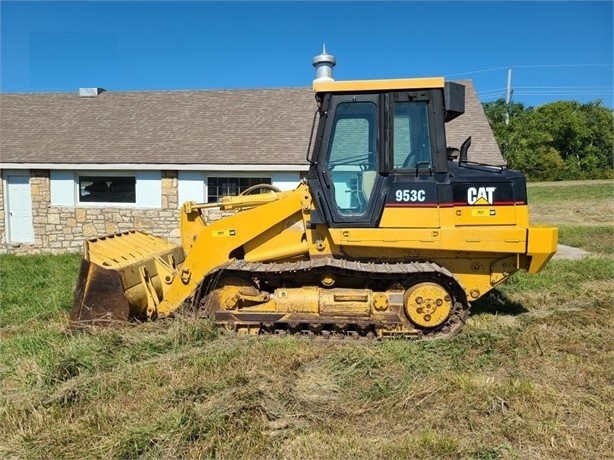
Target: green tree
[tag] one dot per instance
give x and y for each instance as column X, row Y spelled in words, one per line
column 496, row 113
column 556, row 141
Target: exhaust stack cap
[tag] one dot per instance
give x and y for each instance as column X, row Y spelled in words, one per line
column 324, row 64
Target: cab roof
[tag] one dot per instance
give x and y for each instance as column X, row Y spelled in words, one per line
column 376, row 85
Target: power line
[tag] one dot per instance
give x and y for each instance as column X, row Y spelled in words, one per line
column 600, row 91
column 528, row 67
column 556, row 93
column 501, row 95
column 565, row 87
column 475, row 71
column 549, row 89
column 491, row 90
column 561, row 65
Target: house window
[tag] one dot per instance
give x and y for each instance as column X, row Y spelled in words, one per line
column 107, row 189
column 218, row 187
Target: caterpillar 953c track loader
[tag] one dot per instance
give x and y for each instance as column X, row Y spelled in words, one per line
column 388, row 235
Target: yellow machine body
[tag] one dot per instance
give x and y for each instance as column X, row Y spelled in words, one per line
column 409, row 264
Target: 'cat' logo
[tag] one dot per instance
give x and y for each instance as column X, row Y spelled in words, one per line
column 480, row 195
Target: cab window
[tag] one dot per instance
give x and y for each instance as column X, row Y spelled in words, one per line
column 412, row 140
column 352, row 156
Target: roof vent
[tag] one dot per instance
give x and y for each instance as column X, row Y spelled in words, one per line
column 324, row 64
column 90, row 92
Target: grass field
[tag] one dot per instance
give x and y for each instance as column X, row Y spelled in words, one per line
column 530, row 377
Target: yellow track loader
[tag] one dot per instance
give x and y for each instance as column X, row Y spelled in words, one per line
column 389, row 234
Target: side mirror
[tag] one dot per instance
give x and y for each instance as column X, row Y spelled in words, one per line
column 454, row 100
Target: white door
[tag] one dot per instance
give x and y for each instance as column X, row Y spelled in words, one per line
column 19, row 204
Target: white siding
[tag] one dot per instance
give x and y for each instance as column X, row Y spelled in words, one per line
column 62, row 184
column 190, row 186
column 148, row 189
column 285, row 180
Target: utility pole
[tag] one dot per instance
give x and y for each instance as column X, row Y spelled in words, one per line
column 508, row 96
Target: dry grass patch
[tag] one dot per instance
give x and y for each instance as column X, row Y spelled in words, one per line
column 585, row 213
column 530, row 377
column 583, row 203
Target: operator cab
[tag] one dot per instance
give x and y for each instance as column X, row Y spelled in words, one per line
column 380, row 143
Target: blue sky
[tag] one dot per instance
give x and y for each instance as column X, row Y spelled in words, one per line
column 556, row 50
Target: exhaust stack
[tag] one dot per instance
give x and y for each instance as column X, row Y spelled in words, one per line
column 324, row 64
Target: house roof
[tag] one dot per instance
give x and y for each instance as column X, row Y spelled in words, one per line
column 213, row 127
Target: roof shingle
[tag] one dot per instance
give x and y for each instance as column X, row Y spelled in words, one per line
column 256, row 126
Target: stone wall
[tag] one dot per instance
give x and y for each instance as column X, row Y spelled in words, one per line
column 59, row 229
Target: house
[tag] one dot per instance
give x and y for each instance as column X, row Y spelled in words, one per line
column 75, row 166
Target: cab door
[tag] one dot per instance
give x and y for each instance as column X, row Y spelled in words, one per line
column 418, row 180
column 348, row 166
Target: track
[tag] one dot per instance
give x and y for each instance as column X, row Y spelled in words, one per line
column 236, row 295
